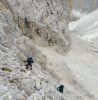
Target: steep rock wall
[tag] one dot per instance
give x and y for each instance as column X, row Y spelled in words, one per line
column 43, row 16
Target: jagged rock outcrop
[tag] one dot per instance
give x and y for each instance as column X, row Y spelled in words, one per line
column 44, row 17
column 82, row 7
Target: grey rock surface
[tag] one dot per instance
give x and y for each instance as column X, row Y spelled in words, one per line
column 26, row 26
column 86, row 6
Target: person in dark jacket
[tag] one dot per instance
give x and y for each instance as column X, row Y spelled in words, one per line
column 61, row 88
column 29, row 61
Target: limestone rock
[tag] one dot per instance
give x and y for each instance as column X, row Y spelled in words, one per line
column 85, row 6
column 26, row 27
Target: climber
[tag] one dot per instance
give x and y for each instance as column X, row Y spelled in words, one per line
column 29, row 62
column 60, row 88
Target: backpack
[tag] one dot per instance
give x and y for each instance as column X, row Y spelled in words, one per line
column 30, row 60
column 60, row 88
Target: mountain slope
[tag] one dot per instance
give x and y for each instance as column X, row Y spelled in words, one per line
column 37, row 28
column 83, row 54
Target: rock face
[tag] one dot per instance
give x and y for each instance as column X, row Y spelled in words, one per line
column 82, row 7
column 86, row 6
column 26, row 26
column 37, row 19
column 52, row 14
